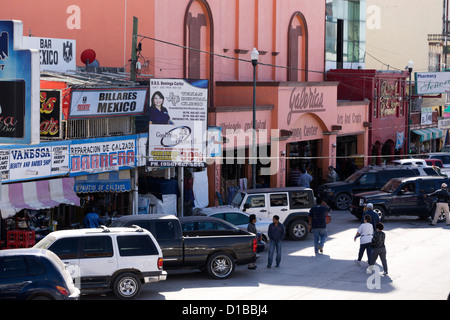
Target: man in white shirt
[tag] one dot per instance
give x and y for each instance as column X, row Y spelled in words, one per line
column 365, row 231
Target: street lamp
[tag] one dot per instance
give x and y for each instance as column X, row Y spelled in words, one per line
column 254, row 56
column 410, row 70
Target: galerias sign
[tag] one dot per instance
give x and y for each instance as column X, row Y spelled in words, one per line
column 304, row 100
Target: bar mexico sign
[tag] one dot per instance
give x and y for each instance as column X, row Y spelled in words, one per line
column 432, row 82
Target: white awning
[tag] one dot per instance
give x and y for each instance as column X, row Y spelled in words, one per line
column 37, row 195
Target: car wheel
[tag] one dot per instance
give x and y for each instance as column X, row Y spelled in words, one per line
column 127, row 286
column 343, row 201
column 380, row 212
column 220, row 265
column 298, row 230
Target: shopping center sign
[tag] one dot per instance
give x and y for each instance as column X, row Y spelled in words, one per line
column 19, row 87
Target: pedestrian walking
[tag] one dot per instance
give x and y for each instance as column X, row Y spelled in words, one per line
column 378, row 249
column 365, row 233
column 251, row 227
column 318, row 224
column 443, row 197
column 91, row 219
column 276, row 234
column 374, row 218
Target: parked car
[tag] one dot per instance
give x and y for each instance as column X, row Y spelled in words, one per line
column 445, row 157
column 109, row 259
column 291, row 204
column 446, row 148
column 236, row 217
column 434, row 162
column 207, row 223
column 339, row 194
column 400, row 196
column 216, row 251
column 35, row 274
column 409, row 162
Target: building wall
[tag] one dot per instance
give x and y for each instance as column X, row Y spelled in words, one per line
column 236, row 26
column 397, row 31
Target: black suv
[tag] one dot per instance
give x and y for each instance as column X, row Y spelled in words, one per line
column 400, row 197
column 339, row 194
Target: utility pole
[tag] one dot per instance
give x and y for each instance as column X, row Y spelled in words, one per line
column 134, row 50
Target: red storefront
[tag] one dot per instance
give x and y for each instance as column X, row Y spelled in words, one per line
column 388, row 108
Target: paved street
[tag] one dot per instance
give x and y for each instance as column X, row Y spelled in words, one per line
column 417, row 257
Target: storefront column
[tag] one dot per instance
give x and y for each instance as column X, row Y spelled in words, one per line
column 278, row 161
column 328, row 155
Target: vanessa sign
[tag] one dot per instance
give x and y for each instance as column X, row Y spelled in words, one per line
column 19, row 87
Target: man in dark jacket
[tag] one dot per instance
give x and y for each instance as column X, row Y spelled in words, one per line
column 443, row 197
column 318, row 225
column 374, row 218
column 276, row 234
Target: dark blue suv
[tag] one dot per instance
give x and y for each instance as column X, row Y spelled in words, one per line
column 35, row 274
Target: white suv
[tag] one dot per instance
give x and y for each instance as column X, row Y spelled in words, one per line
column 105, row 259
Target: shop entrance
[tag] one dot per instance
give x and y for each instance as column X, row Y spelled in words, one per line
column 303, row 155
column 346, row 147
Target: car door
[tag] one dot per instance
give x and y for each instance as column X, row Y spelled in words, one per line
column 424, row 205
column 405, row 199
column 97, row 260
column 257, row 204
column 168, row 234
column 67, row 249
column 238, row 219
column 13, row 277
column 278, row 205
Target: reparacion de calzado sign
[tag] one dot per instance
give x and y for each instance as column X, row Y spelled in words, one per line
column 92, row 103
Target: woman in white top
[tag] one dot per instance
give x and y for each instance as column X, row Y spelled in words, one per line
column 365, row 231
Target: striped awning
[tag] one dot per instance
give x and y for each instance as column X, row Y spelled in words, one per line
column 37, row 195
column 429, row 133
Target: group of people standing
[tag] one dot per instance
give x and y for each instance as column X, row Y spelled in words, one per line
column 371, row 241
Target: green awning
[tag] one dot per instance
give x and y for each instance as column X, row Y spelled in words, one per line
column 429, row 134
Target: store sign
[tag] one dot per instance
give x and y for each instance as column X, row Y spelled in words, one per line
column 305, row 100
column 34, row 162
column 55, row 54
column 94, row 157
column 19, row 87
column 50, row 114
column 389, row 98
column 432, row 82
column 444, row 124
column 426, row 116
column 90, row 103
column 178, row 123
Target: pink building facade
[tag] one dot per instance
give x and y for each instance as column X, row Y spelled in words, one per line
column 306, row 123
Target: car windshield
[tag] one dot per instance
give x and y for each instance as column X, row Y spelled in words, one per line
column 45, row 243
column 391, row 186
column 354, row 177
column 237, row 200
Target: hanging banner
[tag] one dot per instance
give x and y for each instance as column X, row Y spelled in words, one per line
column 50, row 114
column 400, row 139
column 178, row 123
